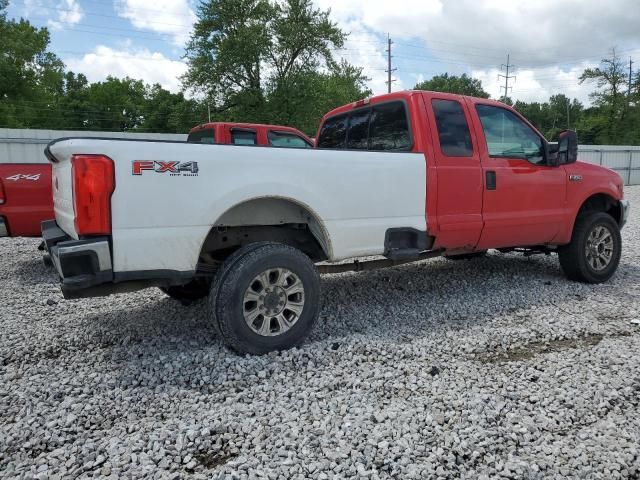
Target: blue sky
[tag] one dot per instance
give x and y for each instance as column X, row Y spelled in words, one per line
column 549, row 42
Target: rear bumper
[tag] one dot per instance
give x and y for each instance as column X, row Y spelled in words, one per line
column 4, row 231
column 625, row 206
column 80, row 263
column 86, row 269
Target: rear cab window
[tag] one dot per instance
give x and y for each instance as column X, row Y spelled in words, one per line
column 207, row 135
column 453, row 129
column 333, row 133
column 379, row 127
column 243, row 137
column 288, row 140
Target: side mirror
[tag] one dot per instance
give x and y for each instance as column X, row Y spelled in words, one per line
column 552, row 154
column 567, row 147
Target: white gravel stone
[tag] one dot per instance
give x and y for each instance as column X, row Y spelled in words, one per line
column 494, row 368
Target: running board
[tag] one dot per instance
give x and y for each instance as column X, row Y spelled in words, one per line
column 358, row 266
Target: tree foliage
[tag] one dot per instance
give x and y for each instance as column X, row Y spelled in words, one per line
column 270, row 61
column 264, row 61
column 613, row 118
column 462, row 85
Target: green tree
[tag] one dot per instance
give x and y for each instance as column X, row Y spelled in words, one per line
column 462, row 85
column 167, row 112
column 254, row 61
column 30, row 76
column 610, row 100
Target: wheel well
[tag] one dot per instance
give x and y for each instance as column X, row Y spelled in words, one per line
column 266, row 219
column 602, row 202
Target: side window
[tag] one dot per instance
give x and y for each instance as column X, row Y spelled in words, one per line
column 282, row 139
column 508, row 136
column 243, row 137
column 453, row 129
column 389, row 128
column 202, row 136
column 333, row 133
column 358, row 132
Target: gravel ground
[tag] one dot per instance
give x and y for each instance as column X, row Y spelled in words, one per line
column 489, row 368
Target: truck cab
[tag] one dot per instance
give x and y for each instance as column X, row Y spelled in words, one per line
column 492, row 180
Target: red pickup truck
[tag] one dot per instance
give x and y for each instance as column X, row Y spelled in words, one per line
column 409, row 176
column 25, row 187
column 224, row 133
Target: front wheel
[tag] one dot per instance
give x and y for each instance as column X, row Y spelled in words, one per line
column 594, row 252
column 266, row 297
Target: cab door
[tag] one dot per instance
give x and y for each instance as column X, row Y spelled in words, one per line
column 458, row 170
column 524, row 198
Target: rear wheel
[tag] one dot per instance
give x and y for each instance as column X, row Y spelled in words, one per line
column 594, row 252
column 266, row 297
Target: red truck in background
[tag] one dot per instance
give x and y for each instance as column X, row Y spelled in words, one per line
column 224, row 133
column 25, row 198
column 25, row 188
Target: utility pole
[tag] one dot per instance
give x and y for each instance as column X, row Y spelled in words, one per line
column 209, row 110
column 568, row 117
column 507, row 77
column 631, row 62
column 389, row 70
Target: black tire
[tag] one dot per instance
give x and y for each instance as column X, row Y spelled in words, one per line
column 190, row 292
column 574, row 258
column 467, row 256
column 220, row 276
column 227, row 298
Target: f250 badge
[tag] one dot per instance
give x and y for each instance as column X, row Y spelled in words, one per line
column 174, row 169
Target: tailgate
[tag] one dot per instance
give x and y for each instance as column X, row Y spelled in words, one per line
column 59, row 153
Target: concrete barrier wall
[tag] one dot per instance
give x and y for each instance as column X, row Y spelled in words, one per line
column 27, row 146
column 622, row 158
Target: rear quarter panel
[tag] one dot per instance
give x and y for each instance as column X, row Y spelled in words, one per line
column 161, row 220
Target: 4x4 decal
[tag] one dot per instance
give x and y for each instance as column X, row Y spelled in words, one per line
column 189, row 169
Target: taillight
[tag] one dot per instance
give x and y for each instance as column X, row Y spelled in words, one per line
column 2, row 196
column 93, row 185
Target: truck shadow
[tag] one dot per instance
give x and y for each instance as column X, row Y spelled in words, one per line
column 411, row 300
column 393, row 305
column 33, row 271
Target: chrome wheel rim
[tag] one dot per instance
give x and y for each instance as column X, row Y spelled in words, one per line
column 599, row 248
column 273, row 302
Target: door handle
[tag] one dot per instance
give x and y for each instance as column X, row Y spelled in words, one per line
column 491, row 180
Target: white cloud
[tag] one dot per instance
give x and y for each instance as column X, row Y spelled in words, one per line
column 69, row 12
column 151, row 67
column 362, row 49
column 537, row 85
column 170, row 17
column 550, row 42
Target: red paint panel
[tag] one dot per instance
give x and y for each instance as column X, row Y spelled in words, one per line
column 28, row 198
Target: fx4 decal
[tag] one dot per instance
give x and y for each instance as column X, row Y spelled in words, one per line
column 20, row 176
column 187, row 169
